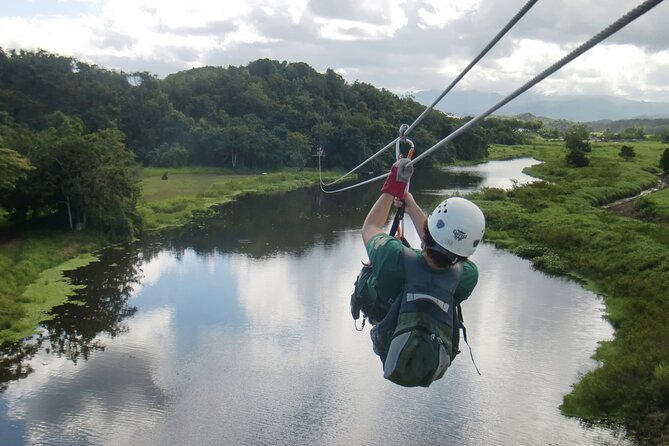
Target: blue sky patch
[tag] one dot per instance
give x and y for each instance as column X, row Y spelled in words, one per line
column 46, row 8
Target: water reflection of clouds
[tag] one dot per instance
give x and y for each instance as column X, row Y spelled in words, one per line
column 290, row 372
column 152, row 270
column 268, row 292
column 126, row 386
column 526, row 327
column 500, row 174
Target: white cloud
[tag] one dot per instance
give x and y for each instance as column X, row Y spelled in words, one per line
column 529, row 57
column 624, row 70
column 401, row 45
column 57, row 34
column 439, row 14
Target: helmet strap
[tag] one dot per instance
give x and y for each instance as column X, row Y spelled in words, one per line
column 454, row 258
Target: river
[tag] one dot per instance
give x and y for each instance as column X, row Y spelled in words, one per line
column 237, row 330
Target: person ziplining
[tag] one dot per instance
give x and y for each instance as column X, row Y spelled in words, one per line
column 412, row 296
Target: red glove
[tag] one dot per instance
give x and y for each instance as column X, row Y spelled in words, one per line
column 396, row 183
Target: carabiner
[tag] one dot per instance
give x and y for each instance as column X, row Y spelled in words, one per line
column 403, row 139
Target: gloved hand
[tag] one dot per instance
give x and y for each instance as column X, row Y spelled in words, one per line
column 397, row 180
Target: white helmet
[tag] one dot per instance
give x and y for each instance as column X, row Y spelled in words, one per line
column 457, row 225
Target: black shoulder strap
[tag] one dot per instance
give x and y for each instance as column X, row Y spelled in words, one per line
column 461, row 323
column 399, row 215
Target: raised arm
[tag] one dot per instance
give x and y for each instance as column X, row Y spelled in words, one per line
column 377, row 217
column 417, row 215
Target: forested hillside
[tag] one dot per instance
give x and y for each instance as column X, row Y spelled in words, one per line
column 267, row 114
column 71, row 132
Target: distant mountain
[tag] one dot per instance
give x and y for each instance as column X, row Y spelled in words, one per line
column 572, row 108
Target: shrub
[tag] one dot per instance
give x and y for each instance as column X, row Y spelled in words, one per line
column 645, row 209
column 493, row 194
column 577, row 158
column 627, row 152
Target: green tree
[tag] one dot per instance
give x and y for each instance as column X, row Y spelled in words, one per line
column 549, row 133
column 13, row 167
column 576, row 142
column 149, row 119
column 664, row 160
column 86, row 179
column 576, row 138
column 663, row 134
column 577, row 158
column 633, row 133
column 168, row 155
column 202, row 110
column 298, row 148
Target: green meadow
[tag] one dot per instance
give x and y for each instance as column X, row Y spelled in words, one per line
column 171, row 202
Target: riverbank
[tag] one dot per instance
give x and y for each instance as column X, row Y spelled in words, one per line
column 33, row 262
column 559, row 225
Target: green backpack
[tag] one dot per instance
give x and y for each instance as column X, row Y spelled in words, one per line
column 419, row 337
column 365, row 298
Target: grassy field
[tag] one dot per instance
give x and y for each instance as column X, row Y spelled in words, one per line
column 182, row 182
column 559, row 225
column 32, row 263
column 172, row 202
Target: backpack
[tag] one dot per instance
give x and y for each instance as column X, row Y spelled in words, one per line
column 365, row 297
column 419, row 337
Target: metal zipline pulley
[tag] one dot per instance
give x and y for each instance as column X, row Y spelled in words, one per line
column 402, row 139
column 397, row 228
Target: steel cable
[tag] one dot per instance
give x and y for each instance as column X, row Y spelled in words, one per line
column 602, row 35
column 485, row 50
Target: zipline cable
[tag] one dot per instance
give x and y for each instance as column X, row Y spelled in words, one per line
column 476, row 60
column 471, row 65
column 602, row 35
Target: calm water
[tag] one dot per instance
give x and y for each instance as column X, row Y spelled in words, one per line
column 238, row 331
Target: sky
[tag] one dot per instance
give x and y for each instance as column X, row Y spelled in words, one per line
column 401, row 45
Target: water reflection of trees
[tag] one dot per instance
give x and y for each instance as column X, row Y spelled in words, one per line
column 74, row 329
column 262, row 226
column 14, row 361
